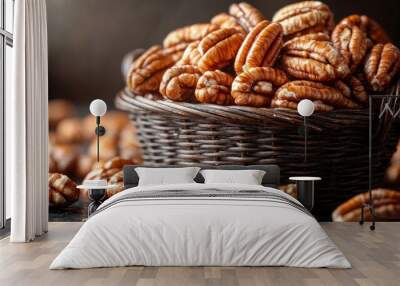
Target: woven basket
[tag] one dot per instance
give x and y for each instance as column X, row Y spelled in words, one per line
column 186, row 134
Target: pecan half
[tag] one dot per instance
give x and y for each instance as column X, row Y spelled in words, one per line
column 370, row 27
column 108, row 169
column 386, row 203
column 307, row 37
column 62, row 190
column 188, row 34
column 179, row 83
column 214, row 87
column 304, row 17
column 219, row 48
column 116, row 179
column 319, row 106
column 256, row 86
column 381, row 65
column 313, row 60
column 145, row 74
column 191, row 55
column 246, row 15
column 324, row 96
column 353, row 88
column 260, row 47
column 351, row 42
column 224, row 20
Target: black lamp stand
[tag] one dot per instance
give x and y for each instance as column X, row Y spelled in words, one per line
column 97, row 196
column 370, row 205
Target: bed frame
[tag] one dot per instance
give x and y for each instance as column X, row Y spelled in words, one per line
column 271, row 178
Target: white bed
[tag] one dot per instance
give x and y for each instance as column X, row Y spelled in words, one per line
column 185, row 230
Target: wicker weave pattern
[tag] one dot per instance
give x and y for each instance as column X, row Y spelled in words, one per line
column 186, row 134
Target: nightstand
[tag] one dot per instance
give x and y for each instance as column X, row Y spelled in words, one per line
column 97, row 195
column 305, row 190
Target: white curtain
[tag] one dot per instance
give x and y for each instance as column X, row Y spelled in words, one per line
column 27, row 123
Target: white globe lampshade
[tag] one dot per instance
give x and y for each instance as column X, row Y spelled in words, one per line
column 98, row 107
column 305, row 108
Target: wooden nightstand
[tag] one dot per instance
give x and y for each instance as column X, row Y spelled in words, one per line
column 305, row 190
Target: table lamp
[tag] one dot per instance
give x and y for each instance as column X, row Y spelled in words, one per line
column 305, row 108
column 98, row 108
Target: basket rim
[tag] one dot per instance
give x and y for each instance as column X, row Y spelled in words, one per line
column 245, row 115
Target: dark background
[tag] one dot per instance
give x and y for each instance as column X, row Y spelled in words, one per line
column 88, row 38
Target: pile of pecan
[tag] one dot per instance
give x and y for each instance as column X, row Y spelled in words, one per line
column 241, row 58
column 385, row 201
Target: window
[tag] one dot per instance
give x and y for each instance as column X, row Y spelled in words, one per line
column 6, row 60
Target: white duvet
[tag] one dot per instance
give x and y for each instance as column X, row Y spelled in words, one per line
column 200, row 231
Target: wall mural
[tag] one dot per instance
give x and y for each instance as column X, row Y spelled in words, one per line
column 225, row 89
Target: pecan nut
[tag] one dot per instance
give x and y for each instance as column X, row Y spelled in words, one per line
column 105, row 171
column 373, row 31
column 256, row 86
column 145, row 73
column 116, row 179
column 219, row 48
column 261, row 47
column 191, row 55
column 353, row 88
column 325, row 97
column 381, row 65
column 351, row 42
column 188, row 34
column 214, row 87
column 246, row 15
column 313, row 60
column 312, row 36
column 319, row 106
column 224, row 20
column 304, row 18
column 62, row 190
column 385, row 201
column 179, row 83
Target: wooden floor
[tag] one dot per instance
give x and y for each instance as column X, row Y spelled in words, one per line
column 375, row 257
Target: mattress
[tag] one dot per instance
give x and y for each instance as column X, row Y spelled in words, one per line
column 201, row 225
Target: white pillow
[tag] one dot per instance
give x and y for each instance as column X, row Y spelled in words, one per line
column 247, row 177
column 166, row 176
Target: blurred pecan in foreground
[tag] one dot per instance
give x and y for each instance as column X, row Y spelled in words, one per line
column 62, row 190
column 386, row 202
column 246, row 15
column 214, row 87
column 188, row 34
column 351, row 42
column 313, row 60
column 179, row 83
column 224, row 20
column 256, row 86
column 59, row 109
column 146, row 72
column 219, row 49
column 370, row 27
column 353, row 88
column 304, row 17
column 381, row 65
column 261, row 47
column 108, row 147
column 64, row 158
column 70, row 131
column 325, row 98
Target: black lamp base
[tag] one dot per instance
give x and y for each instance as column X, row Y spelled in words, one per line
column 372, row 210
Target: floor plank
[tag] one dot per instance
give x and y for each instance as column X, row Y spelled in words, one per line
column 375, row 257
